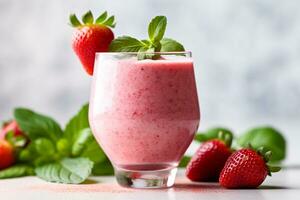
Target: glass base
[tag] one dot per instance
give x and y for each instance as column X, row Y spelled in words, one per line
column 146, row 179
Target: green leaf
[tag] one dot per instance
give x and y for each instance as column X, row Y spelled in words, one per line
column 88, row 18
column 110, row 22
column 212, row 133
column 81, row 139
column 93, row 152
column 16, row 171
column 74, row 21
column 44, row 146
column 146, row 53
column 184, row 161
column 170, row 45
column 267, row 137
column 79, row 122
column 103, row 168
column 63, row 147
column 125, row 44
column 37, row 125
column 101, row 18
column 68, row 170
column 84, row 138
column 156, row 28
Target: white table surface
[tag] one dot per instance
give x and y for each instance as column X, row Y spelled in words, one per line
column 283, row 185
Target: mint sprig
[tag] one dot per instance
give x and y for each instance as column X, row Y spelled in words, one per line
column 146, row 48
column 56, row 155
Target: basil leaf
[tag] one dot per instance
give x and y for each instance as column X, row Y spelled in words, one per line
column 157, row 28
column 212, row 133
column 37, row 125
column 170, row 45
column 125, row 44
column 16, row 171
column 68, row 170
column 267, row 137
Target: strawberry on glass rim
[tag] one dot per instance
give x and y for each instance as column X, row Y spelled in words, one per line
column 91, row 36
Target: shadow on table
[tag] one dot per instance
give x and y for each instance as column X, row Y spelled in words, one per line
column 90, row 181
column 193, row 187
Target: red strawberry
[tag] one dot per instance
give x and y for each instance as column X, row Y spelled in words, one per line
column 10, row 126
column 91, row 37
column 6, row 154
column 246, row 168
column 209, row 159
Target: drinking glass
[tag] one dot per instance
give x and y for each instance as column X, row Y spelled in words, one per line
column 144, row 114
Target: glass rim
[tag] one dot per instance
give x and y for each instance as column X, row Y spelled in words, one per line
column 155, row 53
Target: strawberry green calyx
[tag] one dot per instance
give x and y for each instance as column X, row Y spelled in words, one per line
column 88, row 20
column 225, row 137
column 266, row 155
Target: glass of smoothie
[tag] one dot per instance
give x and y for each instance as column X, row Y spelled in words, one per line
column 144, row 114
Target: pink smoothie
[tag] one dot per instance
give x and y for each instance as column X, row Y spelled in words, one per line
column 144, row 113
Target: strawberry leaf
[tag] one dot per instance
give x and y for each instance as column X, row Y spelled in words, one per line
column 110, row 22
column 88, row 18
column 74, row 21
column 101, row 18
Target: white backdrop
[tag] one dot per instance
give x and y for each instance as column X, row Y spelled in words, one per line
column 247, row 57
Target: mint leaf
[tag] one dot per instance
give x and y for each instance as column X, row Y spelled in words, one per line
column 44, row 146
column 16, row 171
column 84, row 138
column 80, row 138
column 170, row 45
column 146, row 53
column 125, row 44
column 103, row 168
column 77, row 123
column 157, row 28
column 37, row 125
column 68, row 170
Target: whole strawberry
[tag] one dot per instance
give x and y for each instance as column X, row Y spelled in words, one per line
column 8, row 127
column 6, row 154
column 209, row 159
column 246, row 168
column 91, row 37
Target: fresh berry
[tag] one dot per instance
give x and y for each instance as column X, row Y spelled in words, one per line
column 209, row 159
column 246, row 168
column 6, row 154
column 8, row 127
column 91, row 37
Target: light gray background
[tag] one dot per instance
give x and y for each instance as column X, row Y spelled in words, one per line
column 247, row 57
